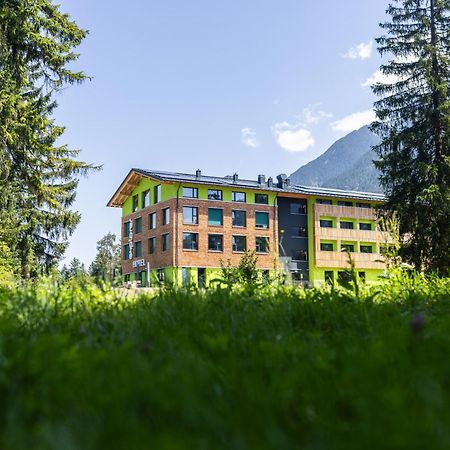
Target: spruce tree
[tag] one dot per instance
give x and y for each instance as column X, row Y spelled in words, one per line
column 37, row 43
column 413, row 121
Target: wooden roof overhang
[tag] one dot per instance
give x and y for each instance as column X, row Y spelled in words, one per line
column 127, row 186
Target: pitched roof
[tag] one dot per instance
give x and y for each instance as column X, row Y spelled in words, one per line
column 136, row 174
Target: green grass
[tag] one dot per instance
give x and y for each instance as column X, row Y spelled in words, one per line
column 82, row 368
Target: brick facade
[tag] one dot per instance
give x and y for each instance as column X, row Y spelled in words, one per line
column 176, row 256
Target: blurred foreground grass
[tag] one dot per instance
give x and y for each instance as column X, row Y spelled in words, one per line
column 275, row 368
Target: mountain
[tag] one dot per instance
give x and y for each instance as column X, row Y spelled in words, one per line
column 347, row 164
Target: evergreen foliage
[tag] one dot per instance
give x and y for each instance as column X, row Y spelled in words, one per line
column 37, row 43
column 414, row 124
column 106, row 265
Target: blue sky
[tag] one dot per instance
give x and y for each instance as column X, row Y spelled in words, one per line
column 247, row 86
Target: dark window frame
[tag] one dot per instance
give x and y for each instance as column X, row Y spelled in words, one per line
column 324, row 247
column 212, row 196
column 322, row 223
column 152, row 245
column 193, row 216
column 266, row 214
column 195, row 241
column 151, row 225
column 233, row 218
column 221, row 243
column 137, row 244
column 165, row 242
column 233, row 243
column 266, row 196
column 267, row 243
column 137, row 228
column 145, row 204
column 234, row 196
column 213, row 224
column 135, row 203
column 157, row 194
column 193, row 189
column 166, row 216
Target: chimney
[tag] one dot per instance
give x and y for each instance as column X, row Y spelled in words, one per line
column 270, row 182
column 198, row 173
column 288, row 181
column 261, row 179
column 281, row 180
column 235, row 177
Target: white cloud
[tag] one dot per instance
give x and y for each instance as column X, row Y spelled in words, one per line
column 354, row 121
column 360, row 51
column 380, row 77
column 248, row 137
column 312, row 115
column 292, row 137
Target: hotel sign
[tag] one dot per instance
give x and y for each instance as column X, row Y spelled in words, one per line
column 139, row 263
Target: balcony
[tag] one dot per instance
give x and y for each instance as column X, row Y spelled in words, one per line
column 340, row 259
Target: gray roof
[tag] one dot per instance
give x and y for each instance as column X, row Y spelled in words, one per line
column 254, row 184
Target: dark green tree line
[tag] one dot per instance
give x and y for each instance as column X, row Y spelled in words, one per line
column 39, row 176
column 413, row 121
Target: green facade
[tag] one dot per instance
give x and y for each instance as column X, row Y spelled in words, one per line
column 171, row 190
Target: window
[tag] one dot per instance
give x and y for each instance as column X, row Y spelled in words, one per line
column 302, row 232
column 152, row 221
column 329, row 276
column 135, row 202
column 190, row 241
column 214, row 194
column 347, row 248
column 365, row 226
column 322, row 201
column 127, row 229
column 215, row 217
column 138, row 249
column 344, row 277
column 298, row 208
column 345, row 225
column 344, row 203
column 238, row 218
column 165, row 242
column 126, row 251
column 326, row 247
column 239, row 243
column 166, row 216
column 215, row 242
column 161, row 275
column 262, row 220
column 151, row 245
column 145, row 199
column 262, row 244
column 157, row 193
column 365, row 249
column 300, row 255
column 363, row 205
column 190, row 192
column 138, row 225
column 238, row 197
column 325, row 223
column 262, row 199
column 190, row 215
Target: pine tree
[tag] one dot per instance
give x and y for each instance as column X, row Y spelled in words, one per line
column 413, row 121
column 106, row 264
column 37, row 44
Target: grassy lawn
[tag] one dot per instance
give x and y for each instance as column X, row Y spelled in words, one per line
column 82, row 368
